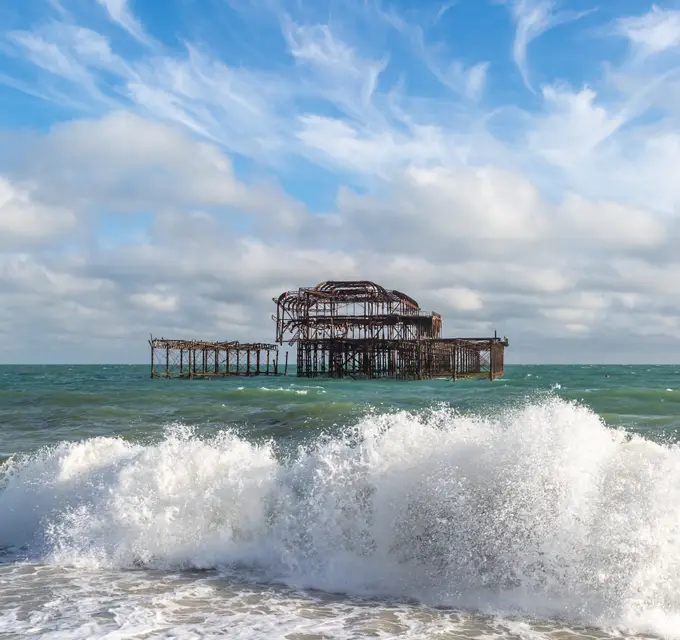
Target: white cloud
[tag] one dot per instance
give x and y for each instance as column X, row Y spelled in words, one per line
column 337, row 71
column 653, row 32
column 365, row 150
column 124, row 163
column 468, row 81
column 238, row 108
column 73, row 56
column 25, row 222
column 26, row 274
column 473, row 79
column 49, row 56
column 573, row 126
column 533, row 18
column 459, row 298
column 119, row 11
column 154, row 301
column 608, row 224
column 131, row 163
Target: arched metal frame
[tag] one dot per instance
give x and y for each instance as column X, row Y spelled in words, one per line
column 355, row 310
column 361, row 329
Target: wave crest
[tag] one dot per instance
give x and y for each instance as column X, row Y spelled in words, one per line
column 542, row 510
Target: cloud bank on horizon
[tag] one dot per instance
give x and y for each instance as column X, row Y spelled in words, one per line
column 170, row 167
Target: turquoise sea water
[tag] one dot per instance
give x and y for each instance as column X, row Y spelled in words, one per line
column 544, row 503
column 43, row 405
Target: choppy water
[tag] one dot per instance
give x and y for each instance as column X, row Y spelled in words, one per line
column 544, row 504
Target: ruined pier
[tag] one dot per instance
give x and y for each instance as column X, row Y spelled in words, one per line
column 355, row 329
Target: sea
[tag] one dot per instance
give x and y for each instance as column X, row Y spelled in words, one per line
column 544, row 504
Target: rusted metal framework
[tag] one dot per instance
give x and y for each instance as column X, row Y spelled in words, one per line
column 463, row 358
column 360, row 329
column 199, row 359
column 454, row 358
column 359, row 310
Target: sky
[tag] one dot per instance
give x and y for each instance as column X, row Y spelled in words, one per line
column 170, row 167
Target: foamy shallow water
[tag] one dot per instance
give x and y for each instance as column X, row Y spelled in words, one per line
column 47, row 602
column 540, row 521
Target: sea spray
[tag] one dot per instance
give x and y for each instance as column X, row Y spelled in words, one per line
column 542, row 511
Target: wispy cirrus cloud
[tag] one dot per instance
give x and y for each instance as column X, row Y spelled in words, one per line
column 72, row 58
column 119, row 11
column 651, row 33
column 532, row 19
column 336, row 71
column 463, row 80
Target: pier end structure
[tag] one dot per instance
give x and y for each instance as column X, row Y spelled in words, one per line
column 359, row 329
column 203, row 359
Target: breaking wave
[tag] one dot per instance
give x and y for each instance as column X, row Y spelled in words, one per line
column 541, row 511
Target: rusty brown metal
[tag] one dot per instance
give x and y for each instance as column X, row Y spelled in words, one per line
column 360, row 310
column 203, row 359
column 341, row 329
column 361, row 329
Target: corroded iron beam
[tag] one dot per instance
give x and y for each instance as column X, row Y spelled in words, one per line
column 207, row 359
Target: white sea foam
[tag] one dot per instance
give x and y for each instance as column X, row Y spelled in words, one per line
column 300, row 392
column 292, row 389
column 543, row 511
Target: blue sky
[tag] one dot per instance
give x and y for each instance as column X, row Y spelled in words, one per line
column 168, row 167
